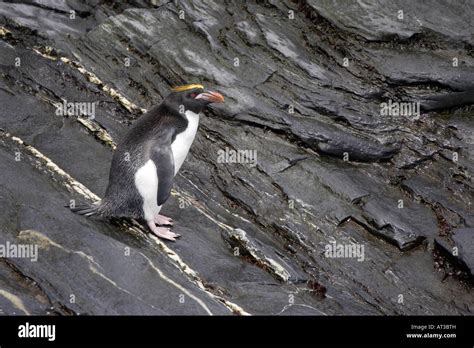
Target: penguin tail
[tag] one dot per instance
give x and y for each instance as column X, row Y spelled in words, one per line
column 87, row 210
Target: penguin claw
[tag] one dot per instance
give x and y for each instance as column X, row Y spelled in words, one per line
column 166, row 217
column 163, row 220
column 163, row 232
column 170, row 236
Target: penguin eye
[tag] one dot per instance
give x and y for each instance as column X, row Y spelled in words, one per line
column 193, row 95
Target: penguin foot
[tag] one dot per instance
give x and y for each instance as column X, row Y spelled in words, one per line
column 163, row 220
column 162, row 232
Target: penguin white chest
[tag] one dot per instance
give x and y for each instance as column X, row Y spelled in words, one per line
column 183, row 141
column 146, row 182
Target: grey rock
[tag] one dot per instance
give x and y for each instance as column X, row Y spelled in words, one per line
column 330, row 167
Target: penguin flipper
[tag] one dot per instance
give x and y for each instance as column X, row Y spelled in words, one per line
column 164, row 163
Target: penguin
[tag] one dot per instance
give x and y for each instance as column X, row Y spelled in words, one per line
column 148, row 158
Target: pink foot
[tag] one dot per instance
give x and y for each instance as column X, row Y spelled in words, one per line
column 163, row 220
column 162, row 232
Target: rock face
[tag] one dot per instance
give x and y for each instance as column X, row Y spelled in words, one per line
column 325, row 97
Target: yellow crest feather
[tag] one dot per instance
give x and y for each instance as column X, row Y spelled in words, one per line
column 186, row 87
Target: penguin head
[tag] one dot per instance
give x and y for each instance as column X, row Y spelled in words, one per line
column 193, row 97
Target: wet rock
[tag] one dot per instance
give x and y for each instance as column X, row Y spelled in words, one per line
column 463, row 239
column 380, row 20
column 241, row 245
column 304, row 93
column 406, row 225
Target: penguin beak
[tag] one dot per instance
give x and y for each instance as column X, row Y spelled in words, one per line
column 211, row 97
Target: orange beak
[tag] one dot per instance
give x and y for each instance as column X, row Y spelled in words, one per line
column 212, row 97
